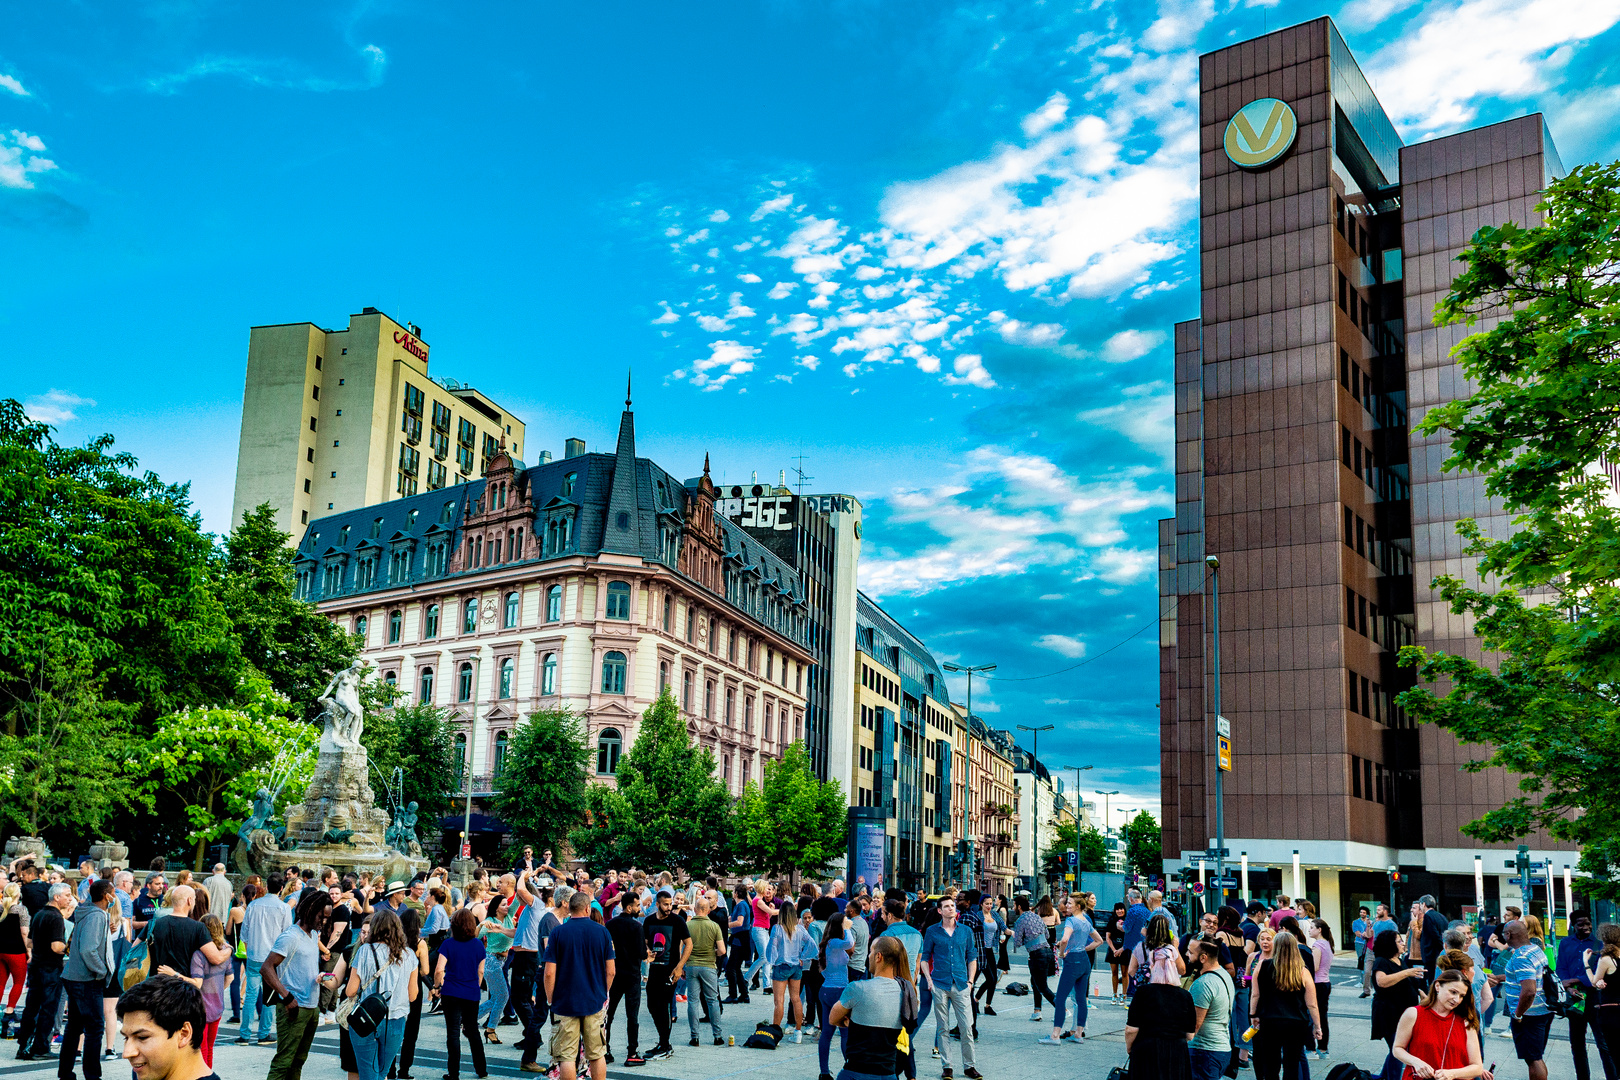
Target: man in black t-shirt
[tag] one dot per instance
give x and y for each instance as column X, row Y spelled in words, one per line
column 629, row 946
column 35, row 893
column 334, row 944
column 146, row 903
column 668, row 945
column 47, row 931
column 177, row 936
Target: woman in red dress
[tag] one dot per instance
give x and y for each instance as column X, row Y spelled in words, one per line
column 1438, row 1039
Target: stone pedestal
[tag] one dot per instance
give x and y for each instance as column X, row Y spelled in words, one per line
column 110, row 853
column 18, row 846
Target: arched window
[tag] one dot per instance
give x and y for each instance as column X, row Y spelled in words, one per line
column 396, row 626
column 464, row 686
column 511, row 609
column 430, row 625
column 391, row 678
column 613, row 673
column 360, row 629
column 500, row 497
column 507, row 669
column 568, row 483
column 424, row 693
column 618, row 600
column 554, row 604
column 548, row 674
column 469, row 617
column 461, row 760
column 608, row 746
column 501, row 738
column 663, row 676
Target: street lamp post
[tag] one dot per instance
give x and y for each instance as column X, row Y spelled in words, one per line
column 967, row 781
column 1214, row 565
column 1077, row 770
column 1035, row 811
column 1108, row 820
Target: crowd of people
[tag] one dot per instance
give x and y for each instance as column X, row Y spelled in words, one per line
column 276, row 958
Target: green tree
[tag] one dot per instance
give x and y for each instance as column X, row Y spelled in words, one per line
column 1141, row 837
column 1087, row 843
column 542, row 782
column 213, row 760
column 101, row 564
column 415, row 743
column 66, row 754
column 666, row 811
column 1541, row 429
column 295, row 646
column 791, row 821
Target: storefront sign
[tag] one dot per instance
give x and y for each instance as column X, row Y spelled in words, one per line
column 1260, row 133
column 410, row 345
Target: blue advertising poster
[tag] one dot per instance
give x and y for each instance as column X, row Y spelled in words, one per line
column 869, row 855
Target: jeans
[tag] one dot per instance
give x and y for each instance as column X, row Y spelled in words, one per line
column 1239, row 1020
column 461, row 1018
column 375, row 1052
column 1279, row 1049
column 1076, row 980
column 251, row 1012
column 39, row 1014
column 489, row 1013
column 955, row 1000
column 523, row 975
column 829, row 998
column 1040, row 966
column 238, row 967
column 661, row 1001
column 626, row 988
column 295, row 1033
column 1208, row 1064
column 703, row 982
column 762, row 939
column 925, row 1002
column 85, row 1017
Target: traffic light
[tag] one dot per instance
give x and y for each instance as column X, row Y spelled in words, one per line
column 1521, row 862
column 1395, row 878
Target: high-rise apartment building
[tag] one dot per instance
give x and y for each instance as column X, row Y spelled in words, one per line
column 333, row 420
column 1325, row 244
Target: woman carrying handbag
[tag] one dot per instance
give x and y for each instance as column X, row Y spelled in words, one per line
column 382, row 985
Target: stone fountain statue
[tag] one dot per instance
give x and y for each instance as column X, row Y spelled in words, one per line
column 338, row 824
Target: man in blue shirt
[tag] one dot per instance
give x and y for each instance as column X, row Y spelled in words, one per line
column 1572, row 973
column 579, row 969
column 949, row 962
column 1136, row 919
column 1531, row 1019
column 1380, row 922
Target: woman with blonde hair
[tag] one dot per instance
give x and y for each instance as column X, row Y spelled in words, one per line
column 1438, row 1039
column 13, row 951
column 1282, row 1006
column 120, row 936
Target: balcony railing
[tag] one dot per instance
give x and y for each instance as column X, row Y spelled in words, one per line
column 482, row 784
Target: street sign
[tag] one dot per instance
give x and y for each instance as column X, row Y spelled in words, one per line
column 1068, row 877
column 1198, row 888
column 1218, row 853
column 1223, row 753
column 466, row 851
column 1074, row 859
column 1223, row 726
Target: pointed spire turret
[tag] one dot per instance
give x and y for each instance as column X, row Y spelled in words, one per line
column 622, row 532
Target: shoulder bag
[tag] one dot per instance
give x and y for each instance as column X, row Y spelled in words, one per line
column 366, row 1011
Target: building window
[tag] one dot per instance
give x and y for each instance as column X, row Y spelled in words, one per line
column 731, row 706
column 396, row 625
column 469, row 617
column 548, row 674
column 748, row 714
column 663, row 676
column 507, row 667
column 708, row 699
column 360, row 629
column 731, row 644
column 691, row 623
column 669, row 608
column 554, row 604
column 501, row 739
column 568, row 483
column 461, row 759
column 424, row 690
column 464, row 682
column 618, row 600
column 613, row 673
column 391, row 678
column 608, row 746
column 430, row 625
column 686, row 691
column 511, row 610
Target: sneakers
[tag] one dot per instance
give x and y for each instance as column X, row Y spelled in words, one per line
column 1034, row 1018
column 608, row 1057
column 242, row 1040
column 1049, row 1041
column 694, row 1042
column 945, row 1075
column 532, row 1067
column 987, row 1011
column 659, row 1052
column 634, row 1060
column 798, row 1035
column 972, row 1074
column 933, row 1051
column 718, row 1041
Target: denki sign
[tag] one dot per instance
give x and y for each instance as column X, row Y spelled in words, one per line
column 405, row 341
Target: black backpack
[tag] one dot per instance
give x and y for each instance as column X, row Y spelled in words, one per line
column 765, row 1036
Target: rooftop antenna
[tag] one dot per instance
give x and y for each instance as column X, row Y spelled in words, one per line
column 798, row 471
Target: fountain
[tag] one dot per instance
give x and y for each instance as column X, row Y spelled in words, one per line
column 338, row 823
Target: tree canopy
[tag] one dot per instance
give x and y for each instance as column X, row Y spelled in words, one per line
column 542, row 781
column 792, row 820
column 1541, row 428
column 1141, row 838
column 1090, row 850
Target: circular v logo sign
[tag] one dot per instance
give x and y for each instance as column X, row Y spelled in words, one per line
column 1260, row 133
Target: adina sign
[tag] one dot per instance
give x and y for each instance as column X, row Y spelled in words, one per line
column 410, row 344
column 1260, row 133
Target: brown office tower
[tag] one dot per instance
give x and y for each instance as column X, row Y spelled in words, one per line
column 1325, row 245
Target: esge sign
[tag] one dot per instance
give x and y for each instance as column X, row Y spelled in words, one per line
column 769, row 512
column 1260, row 133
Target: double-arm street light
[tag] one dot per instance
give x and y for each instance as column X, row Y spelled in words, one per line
column 1035, row 811
column 967, row 781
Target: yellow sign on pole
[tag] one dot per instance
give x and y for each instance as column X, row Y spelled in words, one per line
column 1068, row 877
column 1224, row 752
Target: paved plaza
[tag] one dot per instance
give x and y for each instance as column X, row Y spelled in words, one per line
column 1006, row 1047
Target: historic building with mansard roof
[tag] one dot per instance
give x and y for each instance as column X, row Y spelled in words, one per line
column 591, row 582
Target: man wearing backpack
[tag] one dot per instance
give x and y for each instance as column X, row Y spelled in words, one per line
column 1212, row 993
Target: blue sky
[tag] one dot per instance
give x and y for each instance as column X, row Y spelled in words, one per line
column 936, row 249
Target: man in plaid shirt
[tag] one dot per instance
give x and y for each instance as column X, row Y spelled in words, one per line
column 969, row 915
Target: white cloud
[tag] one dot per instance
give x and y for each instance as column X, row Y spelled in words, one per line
column 729, row 359
column 1178, row 24
column 274, row 73
column 868, row 273
column 738, row 309
column 781, row 289
column 771, row 206
column 719, row 216
column 20, row 159
column 970, row 369
column 809, row 362
column 1369, row 13
column 1062, row 644
column 9, row 82
column 1048, row 116
column 751, row 279
column 1131, row 344
column 1022, row 333
column 713, row 324
column 55, row 407
column 1432, row 77
column 668, row 316
column 1146, row 416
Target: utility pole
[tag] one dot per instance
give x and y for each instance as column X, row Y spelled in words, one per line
column 1214, row 565
column 1035, row 810
column 1108, row 819
column 967, row 781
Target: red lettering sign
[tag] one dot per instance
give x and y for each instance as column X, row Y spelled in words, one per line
column 410, row 345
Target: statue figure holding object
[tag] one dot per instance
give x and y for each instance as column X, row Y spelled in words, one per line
column 343, row 719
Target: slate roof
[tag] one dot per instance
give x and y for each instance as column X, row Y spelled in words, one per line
column 443, row 513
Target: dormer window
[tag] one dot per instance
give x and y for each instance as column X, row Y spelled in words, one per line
column 448, row 514
column 376, row 528
column 343, row 536
column 410, row 519
column 568, row 483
